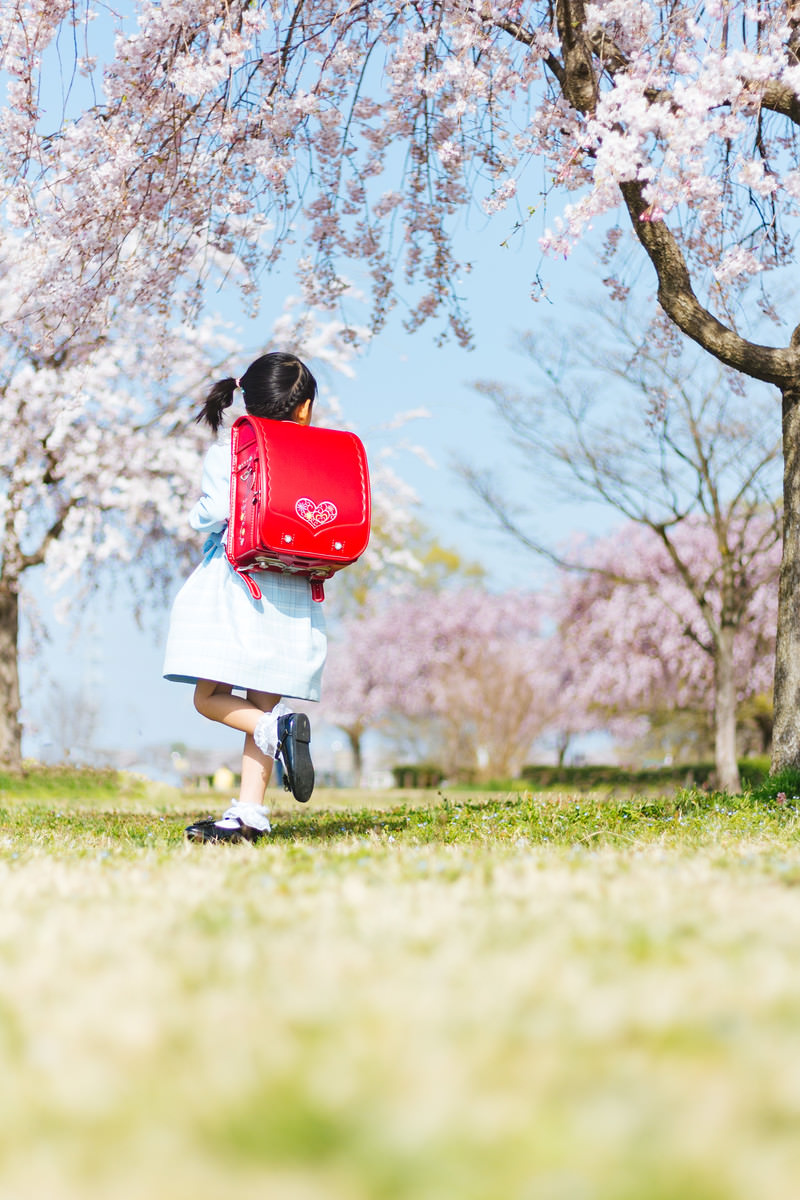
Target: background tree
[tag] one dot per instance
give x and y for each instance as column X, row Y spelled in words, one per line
column 371, row 668
column 356, row 690
column 461, row 666
column 208, row 131
column 93, row 478
column 636, row 641
column 679, row 451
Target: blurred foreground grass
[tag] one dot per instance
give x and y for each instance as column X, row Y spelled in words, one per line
column 399, row 996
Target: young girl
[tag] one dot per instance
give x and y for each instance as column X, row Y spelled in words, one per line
column 221, row 639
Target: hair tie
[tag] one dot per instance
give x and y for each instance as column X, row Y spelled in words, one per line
column 238, row 382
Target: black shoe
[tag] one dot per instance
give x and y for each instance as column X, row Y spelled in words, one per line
column 232, row 830
column 294, row 735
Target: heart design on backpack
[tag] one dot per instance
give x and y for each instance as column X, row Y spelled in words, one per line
column 316, row 514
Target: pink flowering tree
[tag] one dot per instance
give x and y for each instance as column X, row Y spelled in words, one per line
column 371, row 652
column 634, row 637
column 463, row 666
column 372, row 668
column 141, row 152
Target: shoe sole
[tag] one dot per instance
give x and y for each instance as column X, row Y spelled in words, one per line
column 301, row 779
column 201, row 836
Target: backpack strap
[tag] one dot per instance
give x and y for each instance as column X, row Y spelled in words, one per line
column 252, row 586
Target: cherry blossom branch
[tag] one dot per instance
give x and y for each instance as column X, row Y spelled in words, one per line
column 676, row 296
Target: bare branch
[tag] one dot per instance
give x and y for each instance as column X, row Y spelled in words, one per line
column 482, row 485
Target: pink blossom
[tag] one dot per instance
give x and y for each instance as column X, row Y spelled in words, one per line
column 636, row 646
column 197, row 104
column 464, row 666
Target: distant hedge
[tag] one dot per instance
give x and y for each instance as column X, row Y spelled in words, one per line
column 44, row 782
column 417, row 775
column 753, row 771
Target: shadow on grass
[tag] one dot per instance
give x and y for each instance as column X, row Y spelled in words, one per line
column 332, row 826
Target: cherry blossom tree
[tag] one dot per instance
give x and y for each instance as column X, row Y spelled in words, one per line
column 364, row 675
column 678, row 446
column 371, row 667
column 463, row 665
column 144, row 152
column 630, row 648
column 94, row 477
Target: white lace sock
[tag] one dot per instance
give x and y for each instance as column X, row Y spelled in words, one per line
column 253, row 815
column 265, row 734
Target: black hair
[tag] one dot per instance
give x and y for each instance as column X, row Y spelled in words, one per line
column 273, row 386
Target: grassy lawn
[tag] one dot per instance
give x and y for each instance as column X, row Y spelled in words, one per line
column 399, row 996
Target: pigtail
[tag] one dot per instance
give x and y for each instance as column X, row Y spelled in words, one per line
column 273, row 386
column 218, row 399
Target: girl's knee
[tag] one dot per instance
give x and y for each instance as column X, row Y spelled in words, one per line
column 204, row 690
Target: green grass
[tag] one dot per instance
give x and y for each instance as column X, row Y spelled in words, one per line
column 489, row 997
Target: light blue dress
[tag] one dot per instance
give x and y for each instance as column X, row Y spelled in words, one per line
column 218, row 631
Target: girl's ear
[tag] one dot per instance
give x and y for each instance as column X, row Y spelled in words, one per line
column 302, row 412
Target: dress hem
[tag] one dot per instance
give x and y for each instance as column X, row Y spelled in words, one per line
column 313, row 694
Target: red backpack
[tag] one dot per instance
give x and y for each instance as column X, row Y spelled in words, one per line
column 300, row 500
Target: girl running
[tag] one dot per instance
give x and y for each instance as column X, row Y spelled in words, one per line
column 222, row 640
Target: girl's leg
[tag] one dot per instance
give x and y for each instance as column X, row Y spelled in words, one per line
column 215, row 701
column 256, row 767
column 256, row 772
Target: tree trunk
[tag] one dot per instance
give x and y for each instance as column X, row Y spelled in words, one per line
column 10, row 728
column 786, row 731
column 562, row 746
column 354, row 736
column 725, row 713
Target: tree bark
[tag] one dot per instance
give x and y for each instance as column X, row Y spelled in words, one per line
column 354, row 735
column 786, row 731
column 725, row 713
column 10, row 728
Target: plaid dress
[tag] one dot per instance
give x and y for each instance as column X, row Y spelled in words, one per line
column 218, row 631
